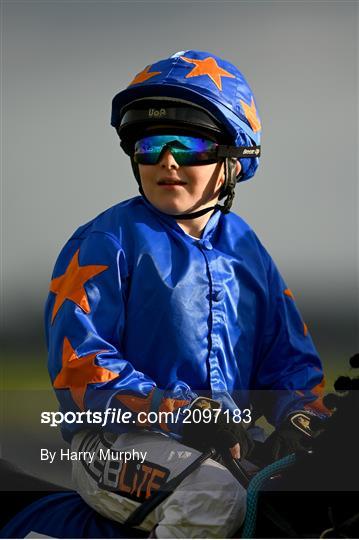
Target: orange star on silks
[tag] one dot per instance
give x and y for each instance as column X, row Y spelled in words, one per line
column 317, row 404
column 289, row 293
column 70, row 286
column 170, row 405
column 250, row 112
column 143, row 404
column 77, row 372
column 136, row 403
column 144, row 75
column 208, row 67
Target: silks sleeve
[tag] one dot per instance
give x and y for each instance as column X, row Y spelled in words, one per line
column 289, row 373
column 85, row 319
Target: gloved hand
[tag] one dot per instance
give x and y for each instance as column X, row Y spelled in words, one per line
column 295, row 434
column 215, row 429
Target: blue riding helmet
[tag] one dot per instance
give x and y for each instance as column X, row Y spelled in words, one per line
column 207, row 84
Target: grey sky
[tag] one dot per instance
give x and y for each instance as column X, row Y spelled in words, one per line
column 62, row 63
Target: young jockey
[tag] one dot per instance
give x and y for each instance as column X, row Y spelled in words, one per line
column 169, row 303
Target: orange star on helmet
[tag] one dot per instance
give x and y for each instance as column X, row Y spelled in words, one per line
column 208, row 67
column 250, row 112
column 144, row 75
column 70, row 285
column 77, row 372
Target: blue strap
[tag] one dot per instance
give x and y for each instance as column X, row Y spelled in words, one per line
column 255, row 486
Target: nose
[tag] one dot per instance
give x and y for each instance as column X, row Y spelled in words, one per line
column 167, row 161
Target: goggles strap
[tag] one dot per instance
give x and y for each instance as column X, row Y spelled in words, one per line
column 237, row 152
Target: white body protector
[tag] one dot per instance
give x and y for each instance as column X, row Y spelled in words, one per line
column 209, row 503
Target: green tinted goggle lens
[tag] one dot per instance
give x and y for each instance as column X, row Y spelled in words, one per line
column 185, row 150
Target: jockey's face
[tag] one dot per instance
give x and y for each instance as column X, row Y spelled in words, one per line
column 176, row 189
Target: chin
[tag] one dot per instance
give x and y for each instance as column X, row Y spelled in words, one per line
column 169, row 207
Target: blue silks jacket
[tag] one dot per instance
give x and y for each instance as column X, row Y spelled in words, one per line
column 143, row 317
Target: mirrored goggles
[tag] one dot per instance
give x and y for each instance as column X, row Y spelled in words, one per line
column 186, row 150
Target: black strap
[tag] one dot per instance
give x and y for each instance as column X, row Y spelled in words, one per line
column 194, row 214
column 230, row 181
column 137, row 517
column 224, row 151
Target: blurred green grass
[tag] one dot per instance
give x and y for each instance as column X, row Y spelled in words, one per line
column 24, row 372
column 29, row 372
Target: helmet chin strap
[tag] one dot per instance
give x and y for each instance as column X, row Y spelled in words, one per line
column 190, row 215
column 230, row 180
column 228, row 189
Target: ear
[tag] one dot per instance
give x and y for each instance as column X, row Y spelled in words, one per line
column 238, row 167
column 220, row 178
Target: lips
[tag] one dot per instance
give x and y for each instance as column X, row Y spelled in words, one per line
column 171, row 182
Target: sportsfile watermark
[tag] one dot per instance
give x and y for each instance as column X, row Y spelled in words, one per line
column 112, row 415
